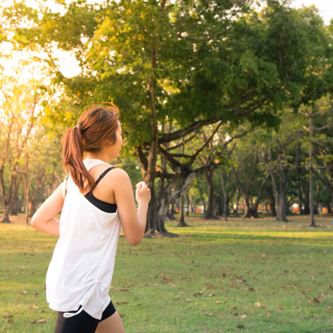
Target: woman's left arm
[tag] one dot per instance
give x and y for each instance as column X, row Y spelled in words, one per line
column 44, row 217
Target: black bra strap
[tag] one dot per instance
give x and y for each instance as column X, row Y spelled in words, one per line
column 100, row 177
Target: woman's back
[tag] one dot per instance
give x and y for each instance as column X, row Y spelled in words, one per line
column 84, row 256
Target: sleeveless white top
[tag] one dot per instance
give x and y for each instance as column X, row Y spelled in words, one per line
column 82, row 264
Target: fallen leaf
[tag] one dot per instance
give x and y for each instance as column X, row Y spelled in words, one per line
column 8, row 315
column 39, row 321
column 165, row 278
column 199, row 293
column 316, row 300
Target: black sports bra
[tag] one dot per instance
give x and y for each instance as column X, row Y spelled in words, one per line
column 102, row 205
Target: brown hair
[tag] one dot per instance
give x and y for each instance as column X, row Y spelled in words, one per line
column 95, row 126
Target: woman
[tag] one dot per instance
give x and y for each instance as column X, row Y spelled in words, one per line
column 95, row 200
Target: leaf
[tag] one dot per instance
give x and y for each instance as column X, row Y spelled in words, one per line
column 39, row 321
column 165, row 278
column 199, row 293
column 316, row 300
column 8, row 315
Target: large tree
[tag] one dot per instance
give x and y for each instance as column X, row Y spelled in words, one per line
column 175, row 67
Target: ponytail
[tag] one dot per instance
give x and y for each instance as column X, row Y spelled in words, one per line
column 96, row 125
column 72, row 157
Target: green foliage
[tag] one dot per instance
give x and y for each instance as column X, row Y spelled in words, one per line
column 203, row 63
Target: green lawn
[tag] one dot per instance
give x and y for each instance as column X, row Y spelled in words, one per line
column 236, row 276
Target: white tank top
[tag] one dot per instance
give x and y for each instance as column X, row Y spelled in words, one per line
column 82, row 264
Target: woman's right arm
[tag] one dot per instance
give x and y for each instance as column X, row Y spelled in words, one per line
column 133, row 219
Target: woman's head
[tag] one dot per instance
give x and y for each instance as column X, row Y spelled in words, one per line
column 98, row 129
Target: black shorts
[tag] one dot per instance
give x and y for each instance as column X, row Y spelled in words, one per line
column 82, row 322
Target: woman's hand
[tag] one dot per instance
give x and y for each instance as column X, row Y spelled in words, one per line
column 142, row 193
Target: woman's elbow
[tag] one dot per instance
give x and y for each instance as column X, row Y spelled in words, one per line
column 34, row 222
column 134, row 241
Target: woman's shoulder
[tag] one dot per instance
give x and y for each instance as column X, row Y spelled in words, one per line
column 117, row 178
column 118, row 172
column 114, row 172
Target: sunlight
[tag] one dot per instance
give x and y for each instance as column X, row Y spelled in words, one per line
column 325, row 7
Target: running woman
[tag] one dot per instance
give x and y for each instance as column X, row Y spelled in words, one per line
column 96, row 200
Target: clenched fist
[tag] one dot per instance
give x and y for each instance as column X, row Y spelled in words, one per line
column 142, row 193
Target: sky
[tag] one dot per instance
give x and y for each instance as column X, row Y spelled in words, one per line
column 325, row 7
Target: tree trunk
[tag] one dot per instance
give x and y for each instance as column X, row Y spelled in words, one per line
column 203, row 202
column 272, row 204
column 281, row 214
column 182, row 222
column 188, row 208
column 10, row 196
column 250, row 209
column 225, row 199
column 219, row 204
column 299, row 179
column 306, row 209
column 5, row 216
column 210, row 212
column 171, row 212
column 154, row 223
column 311, row 205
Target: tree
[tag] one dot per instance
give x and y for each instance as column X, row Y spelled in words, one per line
column 185, row 65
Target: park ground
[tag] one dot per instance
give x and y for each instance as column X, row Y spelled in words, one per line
column 253, row 276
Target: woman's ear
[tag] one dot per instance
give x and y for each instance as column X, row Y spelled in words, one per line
column 107, row 142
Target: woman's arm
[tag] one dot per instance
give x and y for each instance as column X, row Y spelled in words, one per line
column 44, row 217
column 133, row 219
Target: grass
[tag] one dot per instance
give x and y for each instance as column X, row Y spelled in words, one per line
column 238, row 276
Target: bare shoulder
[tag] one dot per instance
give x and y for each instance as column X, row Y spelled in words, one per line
column 119, row 174
column 119, row 180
